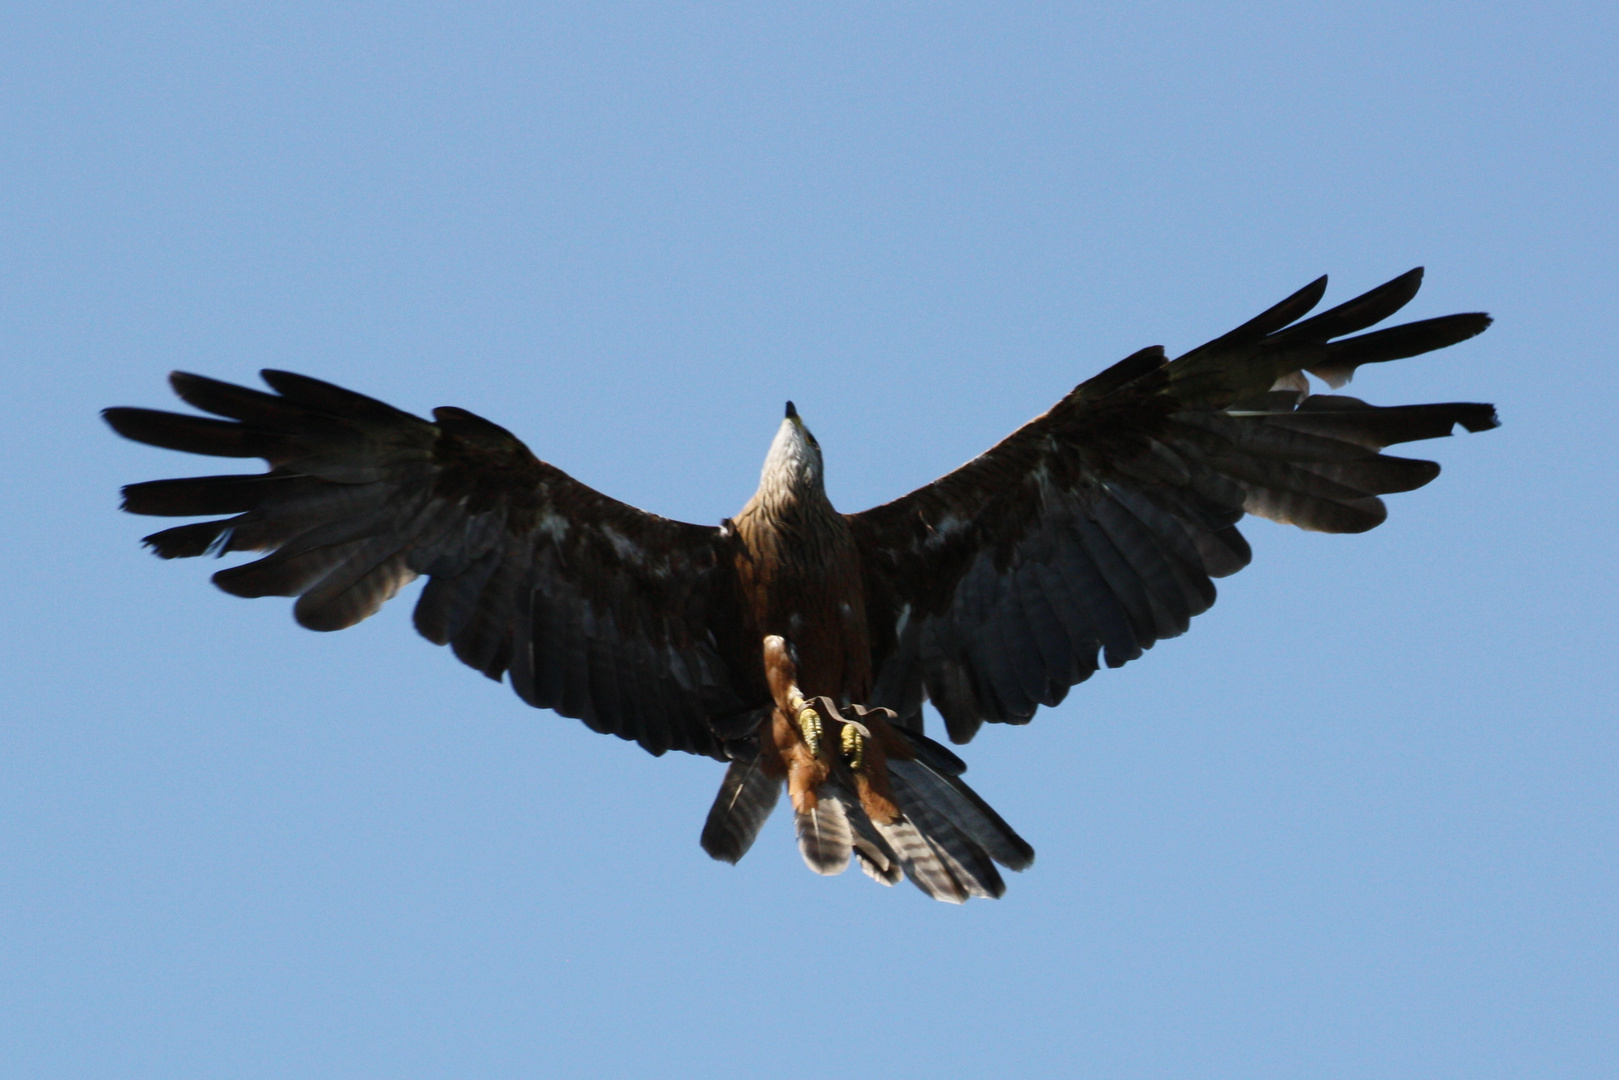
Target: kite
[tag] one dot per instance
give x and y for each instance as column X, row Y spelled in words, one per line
column 795, row 643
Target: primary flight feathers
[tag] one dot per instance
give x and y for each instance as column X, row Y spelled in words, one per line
column 1082, row 538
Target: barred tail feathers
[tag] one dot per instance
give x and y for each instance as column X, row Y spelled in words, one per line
column 946, row 839
column 742, row 806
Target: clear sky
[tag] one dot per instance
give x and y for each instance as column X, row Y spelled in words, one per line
column 1359, row 822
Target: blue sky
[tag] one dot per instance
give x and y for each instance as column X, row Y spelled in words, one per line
column 1359, row 822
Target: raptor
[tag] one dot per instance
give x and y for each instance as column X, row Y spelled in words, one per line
column 795, row 643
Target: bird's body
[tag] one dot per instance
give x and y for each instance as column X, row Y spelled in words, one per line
column 799, row 570
column 795, row 642
column 800, row 576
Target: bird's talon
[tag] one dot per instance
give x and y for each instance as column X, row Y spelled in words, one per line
column 854, row 747
column 809, row 725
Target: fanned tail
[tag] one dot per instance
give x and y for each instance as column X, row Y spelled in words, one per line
column 839, row 829
column 944, row 837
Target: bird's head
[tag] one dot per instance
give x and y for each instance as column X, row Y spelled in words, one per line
column 793, row 465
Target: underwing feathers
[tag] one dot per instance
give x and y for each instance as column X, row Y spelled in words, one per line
column 1118, row 507
column 1082, row 539
column 361, row 498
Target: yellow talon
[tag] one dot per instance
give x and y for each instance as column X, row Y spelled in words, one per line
column 809, row 724
column 854, row 747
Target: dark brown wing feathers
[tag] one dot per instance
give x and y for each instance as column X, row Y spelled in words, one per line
column 1083, row 538
column 1096, row 530
column 602, row 612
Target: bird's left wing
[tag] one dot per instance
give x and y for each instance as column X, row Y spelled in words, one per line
column 603, row 612
column 1098, row 527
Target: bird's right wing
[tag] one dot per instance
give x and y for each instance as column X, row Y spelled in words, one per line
column 1098, row 527
column 603, row 612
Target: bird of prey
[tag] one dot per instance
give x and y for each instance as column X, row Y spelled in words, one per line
column 794, row 642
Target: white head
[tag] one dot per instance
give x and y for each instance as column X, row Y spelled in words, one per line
column 793, row 466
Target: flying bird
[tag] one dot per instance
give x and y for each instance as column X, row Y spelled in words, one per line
column 793, row 642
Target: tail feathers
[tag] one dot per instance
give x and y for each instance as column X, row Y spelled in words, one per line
column 968, row 864
column 946, row 839
column 883, row 871
column 921, row 861
column 876, row 858
column 824, row 836
column 936, row 756
column 963, row 807
column 745, row 800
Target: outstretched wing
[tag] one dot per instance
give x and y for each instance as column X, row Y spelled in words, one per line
column 593, row 608
column 1098, row 527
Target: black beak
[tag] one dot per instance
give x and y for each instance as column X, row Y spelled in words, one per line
column 792, row 413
